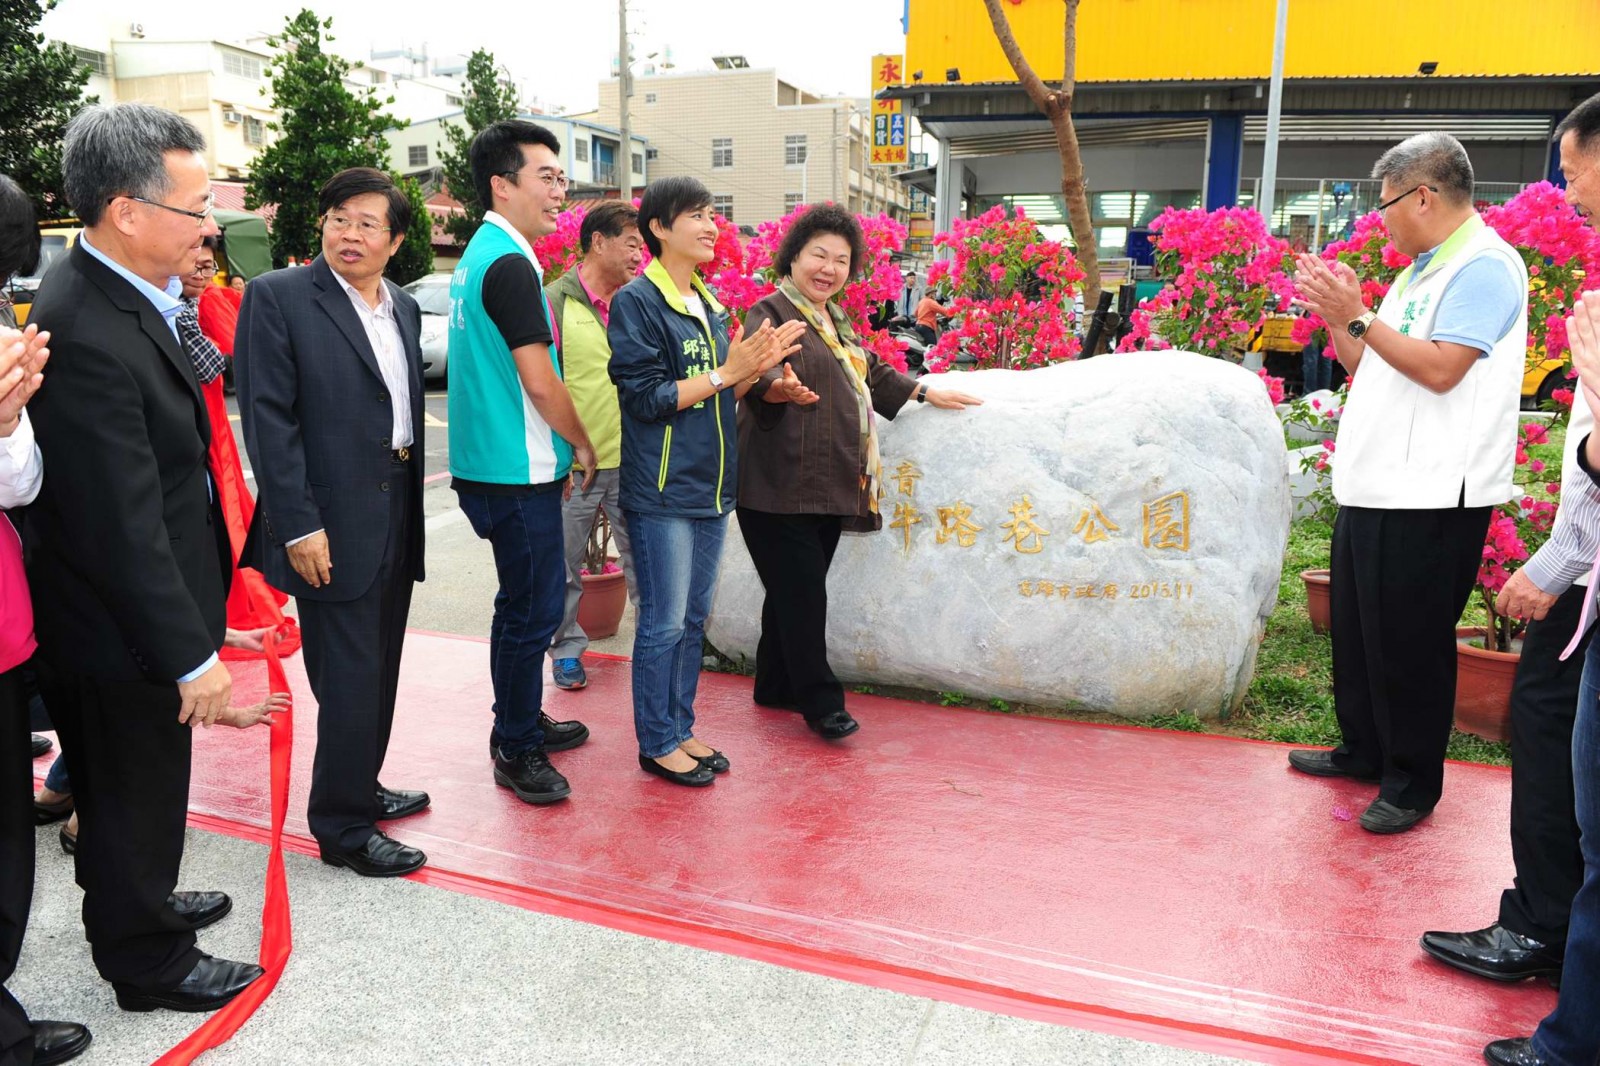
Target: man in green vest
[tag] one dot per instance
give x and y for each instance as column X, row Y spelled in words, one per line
column 514, row 434
column 580, row 305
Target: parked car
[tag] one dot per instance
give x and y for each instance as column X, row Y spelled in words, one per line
column 432, row 294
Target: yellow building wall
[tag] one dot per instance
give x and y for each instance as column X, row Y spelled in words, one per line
column 1174, row 40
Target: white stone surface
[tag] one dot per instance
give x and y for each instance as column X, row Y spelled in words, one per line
column 1087, row 445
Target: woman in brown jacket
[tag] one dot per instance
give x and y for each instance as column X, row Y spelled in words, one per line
column 808, row 461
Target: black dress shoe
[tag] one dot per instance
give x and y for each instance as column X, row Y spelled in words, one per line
column 531, row 777
column 1496, row 953
column 716, row 762
column 562, row 736
column 1384, row 817
column 212, row 984
column 69, row 841
column 1319, row 763
column 833, row 726
column 701, row 776
column 558, row 736
column 55, row 1042
column 1517, row 1052
column 200, row 909
column 45, row 813
column 397, row 803
column 42, row 746
column 380, row 856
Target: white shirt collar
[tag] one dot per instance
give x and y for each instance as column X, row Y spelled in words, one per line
column 495, row 218
column 385, row 301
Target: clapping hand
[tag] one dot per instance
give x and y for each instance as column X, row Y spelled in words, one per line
column 1583, row 336
column 788, row 389
column 1330, row 291
column 22, row 359
column 750, row 355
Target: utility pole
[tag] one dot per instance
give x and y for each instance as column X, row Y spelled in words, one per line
column 624, row 90
column 1269, row 159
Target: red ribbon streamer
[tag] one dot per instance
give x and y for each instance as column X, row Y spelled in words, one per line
column 276, row 943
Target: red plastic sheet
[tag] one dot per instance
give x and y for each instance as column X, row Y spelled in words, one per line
column 1167, row 886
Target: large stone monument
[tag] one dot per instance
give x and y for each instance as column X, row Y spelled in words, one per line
column 1105, row 535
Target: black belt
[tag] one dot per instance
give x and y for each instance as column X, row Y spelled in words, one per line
column 401, row 455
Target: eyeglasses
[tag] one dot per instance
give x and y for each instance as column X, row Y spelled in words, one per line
column 198, row 216
column 203, row 269
column 1402, row 196
column 553, row 179
column 339, row 223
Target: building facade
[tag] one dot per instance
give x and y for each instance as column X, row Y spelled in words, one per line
column 591, row 152
column 761, row 145
column 1172, row 95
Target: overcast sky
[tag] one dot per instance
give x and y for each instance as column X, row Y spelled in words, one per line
column 560, row 51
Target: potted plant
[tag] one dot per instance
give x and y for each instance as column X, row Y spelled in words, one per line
column 605, row 587
column 1487, row 656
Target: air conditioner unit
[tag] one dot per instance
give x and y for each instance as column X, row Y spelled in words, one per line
column 232, row 118
column 136, row 30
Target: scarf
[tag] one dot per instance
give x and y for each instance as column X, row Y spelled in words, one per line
column 841, row 341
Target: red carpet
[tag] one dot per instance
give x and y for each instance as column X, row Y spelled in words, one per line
column 1173, row 887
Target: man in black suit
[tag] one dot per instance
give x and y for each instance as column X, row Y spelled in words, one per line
column 329, row 373
column 128, row 549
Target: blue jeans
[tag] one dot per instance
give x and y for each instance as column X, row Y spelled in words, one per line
column 56, row 779
column 1570, row 1036
column 525, row 533
column 675, row 561
column 1316, row 369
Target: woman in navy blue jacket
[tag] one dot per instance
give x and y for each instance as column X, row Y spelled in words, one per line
column 678, row 374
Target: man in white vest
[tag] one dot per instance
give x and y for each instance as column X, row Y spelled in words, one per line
column 1427, row 443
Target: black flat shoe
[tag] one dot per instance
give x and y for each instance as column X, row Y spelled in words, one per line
column 397, row 803
column 716, row 762
column 69, row 841
column 42, row 746
column 1497, row 953
column 200, row 909
column 1384, row 817
column 380, row 856
column 701, row 776
column 1319, row 763
column 46, row 813
column 1517, row 1052
column 211, row 985
column 55, row 1042
column 833, row 726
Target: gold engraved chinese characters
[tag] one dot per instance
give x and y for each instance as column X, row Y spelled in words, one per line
column 956, row 521
column 1027, row 534
column 1166, row 522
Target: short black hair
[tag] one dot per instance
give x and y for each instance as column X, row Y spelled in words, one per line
column 608, row 217
column 231, row 278
column 497, row 149
column 814, row 222
column 19, row 232
column 357, row 181
column 1584, row 120
column 664, row 200
column 211, row 243
column 112, row 150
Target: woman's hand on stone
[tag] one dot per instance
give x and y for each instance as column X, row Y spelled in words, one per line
column 951, row 400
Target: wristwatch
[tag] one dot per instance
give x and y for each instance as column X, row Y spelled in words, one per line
column 1358, row 327
column 922, row 394
column 716, row 380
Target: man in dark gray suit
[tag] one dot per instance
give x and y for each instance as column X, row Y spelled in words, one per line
column 329, row 370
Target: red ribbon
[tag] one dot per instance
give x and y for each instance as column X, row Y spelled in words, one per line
column 275, row 939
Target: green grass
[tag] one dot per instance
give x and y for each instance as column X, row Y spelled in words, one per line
column 1291, row 698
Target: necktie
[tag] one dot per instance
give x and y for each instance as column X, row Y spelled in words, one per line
column 208, row 361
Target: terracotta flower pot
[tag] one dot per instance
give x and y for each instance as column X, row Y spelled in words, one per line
column 1483, row 686
column 1317, row 599
column 600, row 608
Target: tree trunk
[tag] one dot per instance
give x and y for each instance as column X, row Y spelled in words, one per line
column 1057, row 107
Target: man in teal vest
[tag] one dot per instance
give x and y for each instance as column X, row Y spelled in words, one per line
column 514, row 434
column 580, row 304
